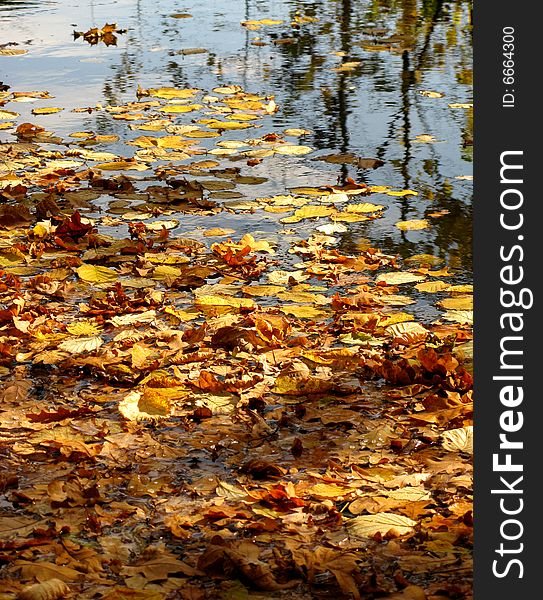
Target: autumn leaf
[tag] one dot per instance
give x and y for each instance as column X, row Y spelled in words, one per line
column 48, row 590
column 398, row 278
column 384, row 523
column 97, row 274
column 80, row 345
column 459, row 440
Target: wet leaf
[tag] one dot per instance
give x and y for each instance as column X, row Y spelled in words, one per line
column 414, row 225
column 97, row 274
column 431, row 94
column 292, row 150
column 457, row 303
column 399, row 278
column 49, row 110
column 366, row 526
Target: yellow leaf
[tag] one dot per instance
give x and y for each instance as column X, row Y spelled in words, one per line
column 84, row 328
column 262, row 290
column 457, row 303
column 413, row 225
column 395, row 318
column 122, row 165
column 425, row 138
column 329, row 490
column 329, row 357
column 408, row 331
column 256, row 246
column 97, row 274
column 459, row 316
column 294, row 132
column 216, row 124
column 12, row 51
column 166, row 271
column 181, row 108
column 140, row 355
column 218, row 232
column 348, row 217
column 225, row 301
column 141, row 406
column 160, row 225
column 432, row 286
column 430, row 94
column 229, row 491
column 364, row 207
column 398, row 278
column 46, row 110
column 133, row 318
column 461, row 105
column 8, row 114
column 409, row 493
column 312, row 212
column 402, row 193
column 291, row 385
column 181, row 315
column 201, row 134
column 292, row 150
column 303, row 297
column 11, row 257
column 460, row 289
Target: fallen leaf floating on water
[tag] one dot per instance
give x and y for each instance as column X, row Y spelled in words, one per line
column 414, row 225
column 8, row 114
column 255, row 25
column 425, row 138
column 399, row 278
column 431, row 94
column 49, row 110
column 12, row 51
column 106, row 35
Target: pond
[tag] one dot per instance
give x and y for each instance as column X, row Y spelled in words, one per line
column 187, row 411
column 373, row 79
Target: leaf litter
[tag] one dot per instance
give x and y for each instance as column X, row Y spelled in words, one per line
column 198, row 415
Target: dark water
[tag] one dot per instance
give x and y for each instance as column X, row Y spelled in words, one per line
column 375, row 110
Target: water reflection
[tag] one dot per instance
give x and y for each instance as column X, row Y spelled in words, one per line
column 374, row 109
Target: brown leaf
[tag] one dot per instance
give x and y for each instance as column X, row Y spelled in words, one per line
column 222, row 561
column 44, row 571
column 48, row 590
column 411, row 592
